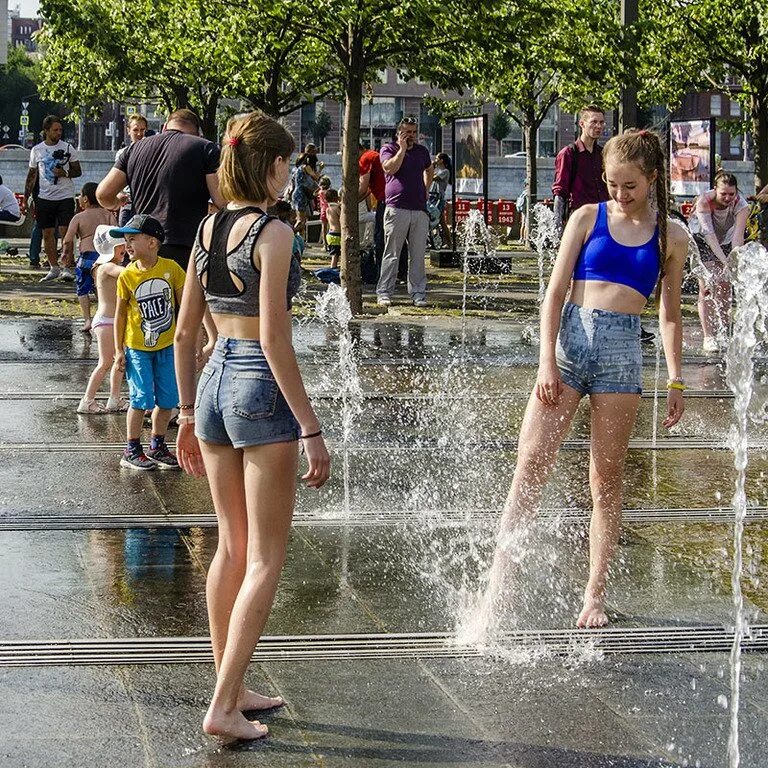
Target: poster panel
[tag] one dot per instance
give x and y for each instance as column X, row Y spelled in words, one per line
column 691, row 156
column 470, row 155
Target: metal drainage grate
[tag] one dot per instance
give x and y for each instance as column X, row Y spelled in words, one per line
column 509, row 394
column 577, row 444
column 556, row 642
column 366, row 518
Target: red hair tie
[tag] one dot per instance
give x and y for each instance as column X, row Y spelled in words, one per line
column 644, row 133
column 234, row 141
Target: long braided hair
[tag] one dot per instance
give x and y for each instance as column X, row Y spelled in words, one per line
column 645, row 149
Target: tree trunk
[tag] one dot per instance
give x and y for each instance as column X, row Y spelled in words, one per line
column 530, row 128
column 350, row 174
column 760, row 138
column 210, row 129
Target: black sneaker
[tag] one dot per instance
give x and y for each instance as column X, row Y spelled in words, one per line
column 136, row 460
column 162, row 458
column 646, row 337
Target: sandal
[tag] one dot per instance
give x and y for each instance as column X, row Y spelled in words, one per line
column 90, row 407
column 117, row 405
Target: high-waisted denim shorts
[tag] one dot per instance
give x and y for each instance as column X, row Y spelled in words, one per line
column 238, row 401
column 598, row 351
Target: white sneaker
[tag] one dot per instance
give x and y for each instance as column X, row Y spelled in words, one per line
column 384, row 301
column 67, row 274
column 53, row 274
column 710, row 344
column 420, row 301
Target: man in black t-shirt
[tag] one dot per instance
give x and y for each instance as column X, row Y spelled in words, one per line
column 172, row 175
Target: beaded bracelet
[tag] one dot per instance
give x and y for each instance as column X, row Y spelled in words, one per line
column 185, row 406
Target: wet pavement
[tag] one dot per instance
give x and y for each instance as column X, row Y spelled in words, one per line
column 429, row 460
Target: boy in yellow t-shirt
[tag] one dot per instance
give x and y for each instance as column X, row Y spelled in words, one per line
column 148, row 290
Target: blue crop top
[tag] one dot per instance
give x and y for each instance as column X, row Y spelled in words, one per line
column 602, row 258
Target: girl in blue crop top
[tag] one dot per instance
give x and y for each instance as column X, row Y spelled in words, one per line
column 610, row 258
column 242, row 424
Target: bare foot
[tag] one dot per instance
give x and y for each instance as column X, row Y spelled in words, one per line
column 250, row 701
column 592, row 614
column 232, row 727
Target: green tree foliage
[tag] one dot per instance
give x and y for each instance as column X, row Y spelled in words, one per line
column 708, row 44
column 356, row 38
column 500, row 127
column 320, row 127
column 184, row 54
column 527, row 56
column 18, row 82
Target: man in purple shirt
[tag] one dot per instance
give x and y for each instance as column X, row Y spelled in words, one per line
column 408, row 175
column 579, row 168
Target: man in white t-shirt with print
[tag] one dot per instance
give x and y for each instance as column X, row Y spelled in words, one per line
column 53, row 163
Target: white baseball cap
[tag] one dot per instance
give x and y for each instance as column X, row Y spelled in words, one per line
column 105, row 243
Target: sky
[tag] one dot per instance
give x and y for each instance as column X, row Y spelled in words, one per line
column 28, row 7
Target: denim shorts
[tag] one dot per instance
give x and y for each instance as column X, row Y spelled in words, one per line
column 598, row 351
column 238, row 402
column 151, row 378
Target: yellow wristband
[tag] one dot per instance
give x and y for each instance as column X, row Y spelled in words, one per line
column 676, row 385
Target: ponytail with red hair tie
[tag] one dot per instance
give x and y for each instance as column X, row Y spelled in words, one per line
column 234, row 141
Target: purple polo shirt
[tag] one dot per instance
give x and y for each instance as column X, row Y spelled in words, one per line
column 579, row 175
column 406, row 188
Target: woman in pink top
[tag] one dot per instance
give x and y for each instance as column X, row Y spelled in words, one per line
column 719, row 225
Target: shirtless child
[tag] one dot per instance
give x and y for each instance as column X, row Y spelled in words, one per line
column 333, row 238
column 82, row 227
column 107, row 267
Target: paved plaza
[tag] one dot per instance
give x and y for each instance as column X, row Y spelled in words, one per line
column 103, row 650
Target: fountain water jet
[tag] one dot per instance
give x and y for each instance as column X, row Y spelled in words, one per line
column 748, row 268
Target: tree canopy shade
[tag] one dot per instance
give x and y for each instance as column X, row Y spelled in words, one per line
column 711, row 44
column 526, row 56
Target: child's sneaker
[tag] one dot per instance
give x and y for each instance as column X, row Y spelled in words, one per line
column 136, row 460
column 117, row 404
column 162, row 457
column 89, row 407
column 67, row 275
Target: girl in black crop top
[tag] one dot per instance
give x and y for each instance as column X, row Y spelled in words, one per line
column 241, row 426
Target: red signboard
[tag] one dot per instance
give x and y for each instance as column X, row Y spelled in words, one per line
column 507, row 212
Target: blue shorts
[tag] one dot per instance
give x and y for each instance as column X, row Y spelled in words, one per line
column 598, row 351
column 83, row 273
column 151, row 378
column 238, row 402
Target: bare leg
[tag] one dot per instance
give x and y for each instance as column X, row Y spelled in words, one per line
column 723, row 304
column 269, row 478
column 49, row 243
column 85, row 309
column 134, row 419
column 106, row 343
column 613, row 417
column 225, row 575
column 160, row 419
column 115, row 375
column 706, row 309
column 301, row 224
column 541, row 434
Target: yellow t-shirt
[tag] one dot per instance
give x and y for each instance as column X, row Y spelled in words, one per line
column 151, row 304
